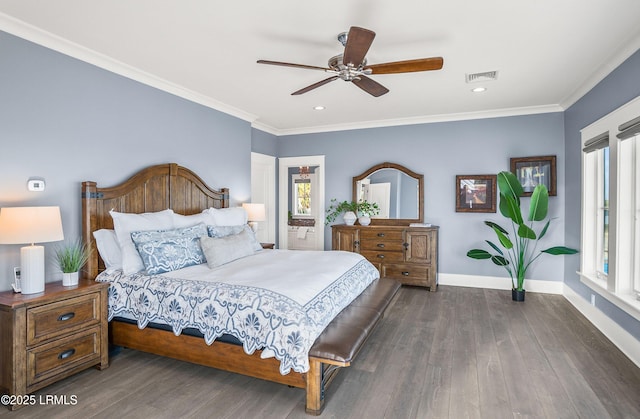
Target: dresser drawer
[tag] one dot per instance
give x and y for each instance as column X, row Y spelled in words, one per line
column 377, row 235
column 55, row 357
column 62, row 317
column 407, row 274
column 381, row 256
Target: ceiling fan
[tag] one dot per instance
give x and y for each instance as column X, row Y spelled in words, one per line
column 352, row 65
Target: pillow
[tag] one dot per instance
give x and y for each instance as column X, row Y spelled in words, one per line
column 224, row 231
column 204, row 217
column 108, row 248
column 125, row 223
column 168, row 250
column 228, row 216
column 219, row 251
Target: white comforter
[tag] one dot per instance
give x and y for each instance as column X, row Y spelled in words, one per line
column 275, row 300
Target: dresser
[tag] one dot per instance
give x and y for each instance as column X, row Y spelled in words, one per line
column 407, row 254
column 51, row 335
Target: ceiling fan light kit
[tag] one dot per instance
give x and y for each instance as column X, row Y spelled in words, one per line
column 352, row 64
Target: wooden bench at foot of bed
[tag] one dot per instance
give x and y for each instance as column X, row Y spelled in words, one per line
column 336, row 347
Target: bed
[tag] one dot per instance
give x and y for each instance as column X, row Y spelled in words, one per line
column 306, row 358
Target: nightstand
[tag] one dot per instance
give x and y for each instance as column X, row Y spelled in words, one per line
column 267, row 245
column 48, row 336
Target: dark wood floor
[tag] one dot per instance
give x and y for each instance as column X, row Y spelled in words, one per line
column 457, row 353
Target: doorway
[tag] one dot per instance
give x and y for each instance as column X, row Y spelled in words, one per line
column 302, row 232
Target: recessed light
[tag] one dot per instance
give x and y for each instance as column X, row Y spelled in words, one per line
column 478, row 89
column 318, row 108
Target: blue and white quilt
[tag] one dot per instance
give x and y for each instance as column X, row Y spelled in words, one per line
column 276, row 300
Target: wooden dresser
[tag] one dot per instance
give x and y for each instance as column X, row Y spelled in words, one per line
column 408, row 254
column 51, row 335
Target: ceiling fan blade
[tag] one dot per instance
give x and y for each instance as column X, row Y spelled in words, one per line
column 309, row 67
column 314, row 85
column 358, row 42
column 408, row 66
column 370, row 86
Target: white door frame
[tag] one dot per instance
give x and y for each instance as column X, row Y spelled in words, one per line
column 284, row 164
column 263, row 190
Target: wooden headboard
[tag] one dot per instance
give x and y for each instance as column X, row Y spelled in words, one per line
column 155, row 188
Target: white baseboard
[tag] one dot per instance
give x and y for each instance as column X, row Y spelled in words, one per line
column 628, row 344
column 499, row 283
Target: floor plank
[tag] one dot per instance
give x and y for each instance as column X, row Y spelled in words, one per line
column 459, row 352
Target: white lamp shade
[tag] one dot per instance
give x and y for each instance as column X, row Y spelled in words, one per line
column 255, row 212
column 20, row 225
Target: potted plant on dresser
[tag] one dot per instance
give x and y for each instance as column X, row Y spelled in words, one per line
column 71, row 257
column 361, row 211
column 517, row 252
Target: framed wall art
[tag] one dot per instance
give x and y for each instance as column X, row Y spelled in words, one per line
column 533, row 171
column 475, row 193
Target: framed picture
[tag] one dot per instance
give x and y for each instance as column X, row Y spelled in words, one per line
column 475, row 193
column 533, row 171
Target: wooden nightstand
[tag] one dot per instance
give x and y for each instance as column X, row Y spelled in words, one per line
column 51, row 335
column 267, row 245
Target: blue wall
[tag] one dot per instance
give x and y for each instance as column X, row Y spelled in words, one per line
column 68, row 121
column 441, row 151
column 618, row 88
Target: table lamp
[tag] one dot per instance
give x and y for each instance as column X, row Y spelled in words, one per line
column 20, row 225
column 255, row 213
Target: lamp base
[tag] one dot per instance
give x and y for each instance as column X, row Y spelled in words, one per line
column 32, row 269
column 254, row 226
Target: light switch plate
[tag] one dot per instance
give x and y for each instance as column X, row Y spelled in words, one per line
column 36, row 185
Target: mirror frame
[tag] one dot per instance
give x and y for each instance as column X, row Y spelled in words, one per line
column 410, row 173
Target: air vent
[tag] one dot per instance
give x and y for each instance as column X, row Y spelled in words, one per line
column 479, row 77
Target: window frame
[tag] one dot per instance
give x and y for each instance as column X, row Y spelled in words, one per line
column 618, row 285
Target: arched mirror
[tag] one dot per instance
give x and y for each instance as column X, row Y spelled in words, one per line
column 398, row 191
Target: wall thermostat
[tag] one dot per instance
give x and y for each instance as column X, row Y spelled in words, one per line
column 35, row 185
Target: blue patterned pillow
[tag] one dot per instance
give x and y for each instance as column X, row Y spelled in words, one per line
column 167, row 250
column 219, row 232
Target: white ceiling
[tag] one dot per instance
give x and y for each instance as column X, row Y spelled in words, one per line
column 547, row 53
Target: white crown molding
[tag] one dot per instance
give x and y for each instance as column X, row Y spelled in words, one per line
column 427, row 119
column 614, row 61
column 46, row 39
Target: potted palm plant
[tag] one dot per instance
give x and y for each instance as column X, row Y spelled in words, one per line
column 517, row 252
column 71, row 257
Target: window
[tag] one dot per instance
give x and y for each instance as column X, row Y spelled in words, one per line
column 610, row 257
column 302, row 197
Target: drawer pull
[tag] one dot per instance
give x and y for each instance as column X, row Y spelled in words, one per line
column 381, row 245
column 405, row 273
column 380, row 234
column 66, row 316
column 381, row 256
column 66, row 354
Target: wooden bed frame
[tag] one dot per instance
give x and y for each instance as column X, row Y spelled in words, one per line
column 171, row 186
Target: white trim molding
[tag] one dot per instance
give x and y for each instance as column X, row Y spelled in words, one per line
column 622, row 339
column 499, row 283
column 628, row 344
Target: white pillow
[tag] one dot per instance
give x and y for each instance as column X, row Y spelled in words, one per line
column 228, row 216
column 219, row 251
column 108, row 248
column 205, row 217
column 124, row 224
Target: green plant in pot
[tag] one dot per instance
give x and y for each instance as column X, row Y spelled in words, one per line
column 351, row 210
column 71, row 257
column 516, row 252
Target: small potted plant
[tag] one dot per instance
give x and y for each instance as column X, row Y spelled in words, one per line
column 71, row 257
column 365, row 210
column 518, row 251
column 350, row 209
